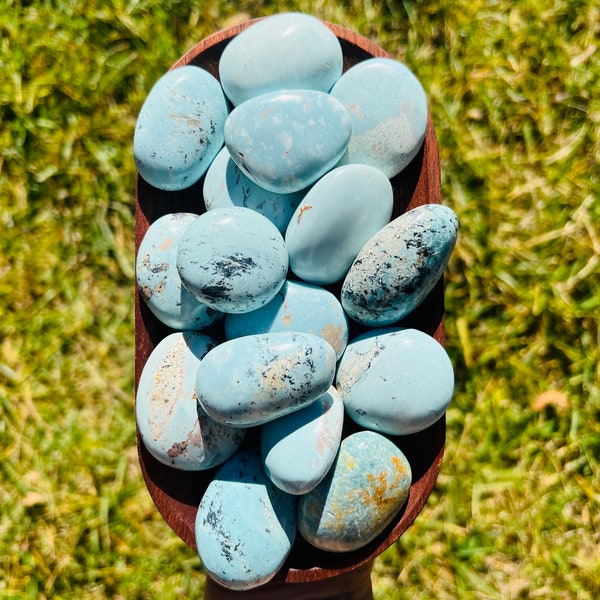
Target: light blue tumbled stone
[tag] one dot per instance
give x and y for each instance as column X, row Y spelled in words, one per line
column 395, row 381
column 171, row 423
column 232, row 259
column 389, row 113
column 284, row 141
column 365, row 488
column 179, row 129
column 284, row 51
column 245, row 526
column 257, row 378
column 398, row 267
column 159, row 282
column 297, row 306
column 298, row 449
column 226, row 185
column 335, row 219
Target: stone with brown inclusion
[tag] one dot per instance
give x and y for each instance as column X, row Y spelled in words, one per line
column 367, row 485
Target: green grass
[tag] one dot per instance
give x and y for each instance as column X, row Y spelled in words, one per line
column 514, row 91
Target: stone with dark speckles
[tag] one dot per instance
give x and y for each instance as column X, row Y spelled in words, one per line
column 245, row 526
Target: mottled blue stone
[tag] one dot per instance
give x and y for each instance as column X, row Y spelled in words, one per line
column 232, row 259
column 400, row 265
column 389, row 114
column 179, row 129
column 159, row 282
column 284, row 51
column 245, row 526
column 171, row 423
column 394, row 380
column 297, row 306
column 226, row 185
column 284, row 141
column 335, row 219
column 298, row 449
column 365, row 488
column 254, row 379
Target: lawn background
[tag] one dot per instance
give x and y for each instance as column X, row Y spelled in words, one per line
column 514, row 92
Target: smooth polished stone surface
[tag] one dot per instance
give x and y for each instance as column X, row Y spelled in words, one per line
column 284, row 51
column 284, row 141
column 245, row 526
column 159, row 282
column 389, row 125
column 335, row 219
column 398, row 267
column 179, row 129
column 367, row 485
column 297, row 306
column 226, row 185
column 396, row 381
column 298, row 449
column 172, row 425
column 232, row 259
column 254, row 379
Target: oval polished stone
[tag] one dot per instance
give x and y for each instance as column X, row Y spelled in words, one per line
column 179, row 129
column 308, row 439
column 395, row 381
column 226, row 185
column 254, row 379
column 232, row 259
column 284, row 141
column 398, row 267
column 172, row 425
column 365, row 488
column 388, row 127
column 335, row 219
column 284, row 51
column 159, row 282
column 245, row 526
column 297, row 306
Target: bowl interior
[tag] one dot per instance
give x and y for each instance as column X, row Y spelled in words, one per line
column 177, row 494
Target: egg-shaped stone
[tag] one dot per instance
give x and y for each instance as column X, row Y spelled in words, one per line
column 365, row 488
column 245, row 526
column 389, row 125
column 159, row 282
column 179, row 129
column 225, row 185
column 284, row 141
column 297, row 306
column 335, row 219
column 400, row 265
column 172, row 425
column 254, row 379
column 232, row 259
column 395, row 381
column 283, row 51
column 299, row 448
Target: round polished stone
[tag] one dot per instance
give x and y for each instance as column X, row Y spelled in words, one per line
column 365, row 488
column 396, row 381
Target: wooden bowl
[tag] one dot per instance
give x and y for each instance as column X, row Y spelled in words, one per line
column 177, row 493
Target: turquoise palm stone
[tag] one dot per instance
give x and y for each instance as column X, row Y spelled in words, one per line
column 299, row 448
column 397, row 381
column 389, row 114
column 365, row 488
column 179, row 129
column 284, row 141
column 254, row 379
column 284, row 51
column 245, row 526
column 172, row 425
column 400, row 265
